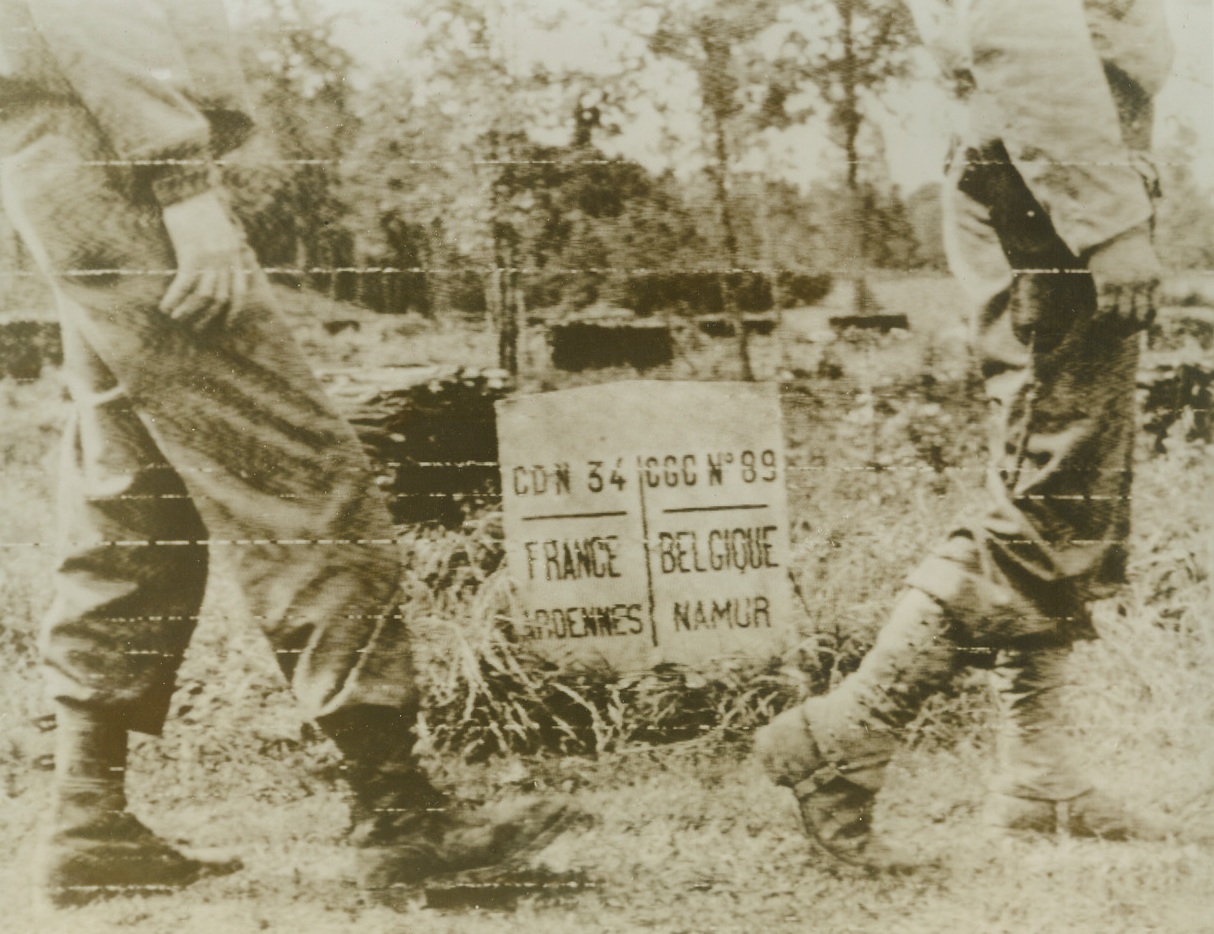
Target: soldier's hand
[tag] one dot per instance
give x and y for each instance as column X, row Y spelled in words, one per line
column 211, row 262
column 1127, row 273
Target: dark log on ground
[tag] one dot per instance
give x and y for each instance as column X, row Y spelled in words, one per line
column 721, row 326
column 614, row 338
column 27, row 344
column 876, row 322
column 430, row 432
column 336, row 327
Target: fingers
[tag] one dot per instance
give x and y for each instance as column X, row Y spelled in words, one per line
column 201, row 298
column 198, row 299
column 217, row 309
column 180, row 288
column 1127, row 308
column 240, row 288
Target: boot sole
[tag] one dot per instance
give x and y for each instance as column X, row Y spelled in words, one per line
column 868, row 866
column 52, row 898
column 560, row 820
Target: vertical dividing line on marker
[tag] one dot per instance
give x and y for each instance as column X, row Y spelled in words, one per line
column 653, row 616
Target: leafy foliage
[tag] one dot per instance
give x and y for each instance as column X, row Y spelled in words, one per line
column 287, row 188
column 435, row 185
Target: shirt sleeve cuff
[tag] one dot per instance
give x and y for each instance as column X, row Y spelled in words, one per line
column 178, row 179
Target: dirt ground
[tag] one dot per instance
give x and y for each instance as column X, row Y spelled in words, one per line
column 885, row 447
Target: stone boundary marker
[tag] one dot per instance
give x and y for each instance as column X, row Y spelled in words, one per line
column 647, row 522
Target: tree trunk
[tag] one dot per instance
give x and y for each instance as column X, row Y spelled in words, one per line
column 770, row 258
column 437, row 275
column 857, row 209
column 503, row 306
column 508, row 323
column 721, row 187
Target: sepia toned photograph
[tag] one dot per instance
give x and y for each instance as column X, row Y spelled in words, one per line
column 675, row 466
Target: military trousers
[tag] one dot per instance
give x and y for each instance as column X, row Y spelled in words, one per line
column 1063, row 420
column 181, row 444
column 1011, row 587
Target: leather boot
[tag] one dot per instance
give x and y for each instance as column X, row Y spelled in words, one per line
column 832, row 751
column 405, row 830
column 836, row 812
column 92, row 847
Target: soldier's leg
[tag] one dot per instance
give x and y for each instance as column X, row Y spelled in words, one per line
column 1053, row 537
column 1037, row 786
column 1032, row 748
column 133, row 557
column 128, row 588
column 314, row 551
column 832, row 750
column 1063, row 427
column 286, row 491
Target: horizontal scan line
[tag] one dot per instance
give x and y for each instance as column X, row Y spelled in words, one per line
column 716, row 508
column 577, row 515
column 436, row 160
column 109, row 271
